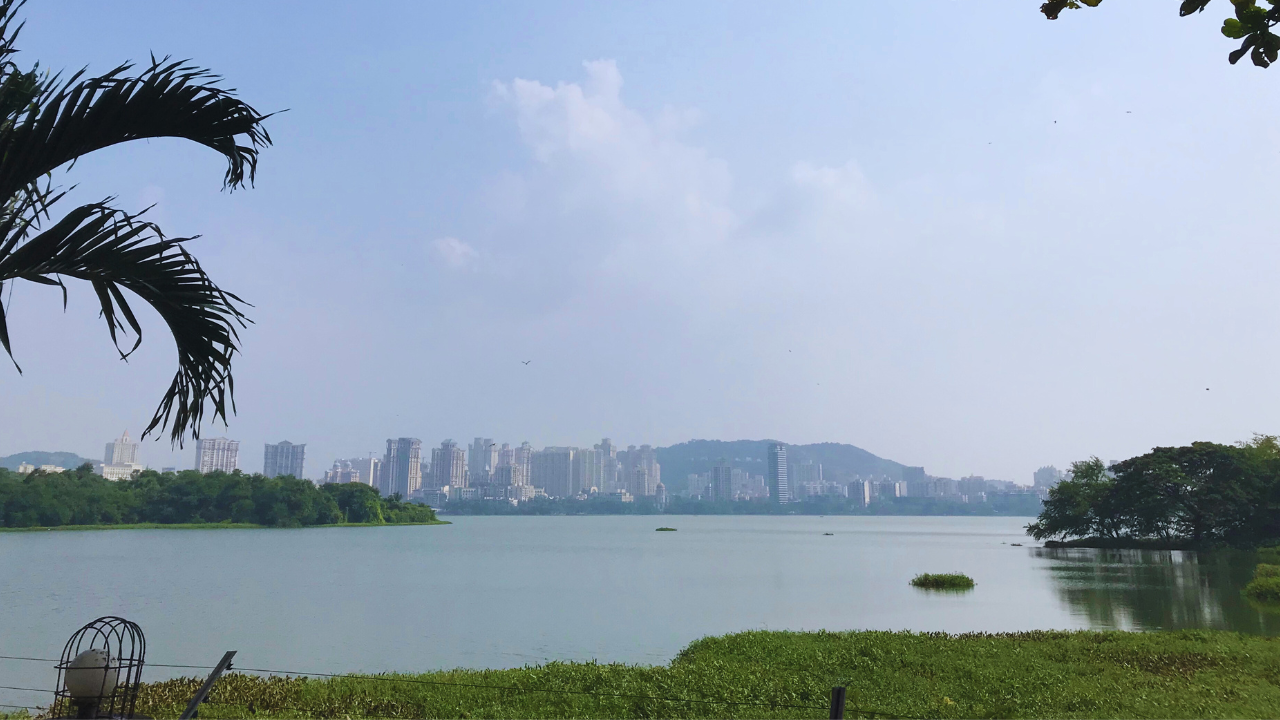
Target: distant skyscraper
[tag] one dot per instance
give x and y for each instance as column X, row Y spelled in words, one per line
column 779, row 488
column 402, row 467
column 448, row 465
column 587, row 471
column 1046, row 477
column 342, row 472
column 120, row 461
column 552, row 470
column 523, row 456
column 121, row 452
column 642, row 457
column 283, row 458
column 217, row 454
column 608, row 465
column 367, row 468
column 722, row 481
column 482, row 459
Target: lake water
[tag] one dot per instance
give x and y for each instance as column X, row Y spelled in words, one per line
column 507, row 591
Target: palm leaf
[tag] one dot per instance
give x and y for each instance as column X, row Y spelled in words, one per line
column 115, row 251
column 46, row 123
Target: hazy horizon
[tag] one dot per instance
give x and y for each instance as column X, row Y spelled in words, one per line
column 956, row 236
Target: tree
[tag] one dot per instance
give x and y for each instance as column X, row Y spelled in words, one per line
column 1251, row 25
column 47, row 123
column 1073, row 507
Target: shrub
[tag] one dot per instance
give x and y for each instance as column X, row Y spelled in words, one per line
column 943, row 581
column 1265, row 571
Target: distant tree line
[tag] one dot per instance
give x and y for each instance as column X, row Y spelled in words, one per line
column 1200, row 495
column 79, row 497
column 1016, row 504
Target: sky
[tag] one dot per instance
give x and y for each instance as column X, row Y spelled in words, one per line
column 954, row 234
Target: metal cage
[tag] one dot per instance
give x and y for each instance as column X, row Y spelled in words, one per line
column 100, row 670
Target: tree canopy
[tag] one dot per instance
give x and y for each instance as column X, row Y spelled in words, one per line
column 1203, row 494
column 1251, row 25
column 79, row 497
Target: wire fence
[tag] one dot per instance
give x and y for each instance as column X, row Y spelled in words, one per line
column 857, row 711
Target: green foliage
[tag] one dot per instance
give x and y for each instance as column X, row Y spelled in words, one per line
column 1033, row 674
column 1264, row 589
column 1199, row 495
column 48, row 122
column 80, row 498
column 1251, row 25
column 943, row 581
column 1264, row 570
column 666, row 529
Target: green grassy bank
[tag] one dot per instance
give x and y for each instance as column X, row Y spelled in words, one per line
column 1184, row 674
column 205, row 526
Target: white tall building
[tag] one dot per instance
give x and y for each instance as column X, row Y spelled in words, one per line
column 121, row 452
column 283, row 458
column 120, row 460
column 217, row 454
column 401, row 470
column 448, row 466
column 481, row 460
column 552, row 470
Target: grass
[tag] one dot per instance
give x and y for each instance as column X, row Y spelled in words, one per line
column 1085, row 674
column 203, row 526
column 943, row 581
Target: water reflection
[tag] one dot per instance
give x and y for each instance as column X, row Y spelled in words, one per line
column 1154, row 589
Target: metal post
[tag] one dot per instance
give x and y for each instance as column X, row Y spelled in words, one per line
column 193, row 707
column 837, row 703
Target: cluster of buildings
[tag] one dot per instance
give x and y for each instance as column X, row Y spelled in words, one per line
column 486, row 470
column 803, row 481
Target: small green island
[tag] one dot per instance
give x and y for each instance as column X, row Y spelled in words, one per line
column 943, row 581
column 81, row 500
column 666, row 529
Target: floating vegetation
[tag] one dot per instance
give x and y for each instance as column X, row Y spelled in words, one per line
column 665, row 529
column 828, row 533
column 1265, row 587
column 943, row 581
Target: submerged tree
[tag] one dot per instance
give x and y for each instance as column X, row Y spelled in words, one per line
column 48, row 122
column 1251, row 25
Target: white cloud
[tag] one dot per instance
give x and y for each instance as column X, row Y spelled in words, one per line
column 455, row 252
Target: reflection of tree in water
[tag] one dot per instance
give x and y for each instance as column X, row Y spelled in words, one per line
column 1158, row 590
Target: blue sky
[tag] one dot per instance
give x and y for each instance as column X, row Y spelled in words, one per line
column 955, row 234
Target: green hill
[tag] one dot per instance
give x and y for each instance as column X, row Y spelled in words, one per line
column 38, row 457
column 839, row 461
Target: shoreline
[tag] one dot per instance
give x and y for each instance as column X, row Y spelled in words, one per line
column 204, row 526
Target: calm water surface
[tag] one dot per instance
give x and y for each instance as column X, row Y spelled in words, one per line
column 506, row 591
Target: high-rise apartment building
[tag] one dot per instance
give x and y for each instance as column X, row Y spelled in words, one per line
column 283, row 458
column 217, row 454
column 523, row 456
column 552, row 470
column 608, row 465
column 779, row 488
column 721, row 481
column 587, row 471
column 401, row 467
column 643, row 457
column 448, row 465
column 1046, row 478
column 481, row 460
column 120, row 460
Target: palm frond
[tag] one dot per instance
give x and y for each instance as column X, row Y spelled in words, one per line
column 116, row 251
column 79, row 115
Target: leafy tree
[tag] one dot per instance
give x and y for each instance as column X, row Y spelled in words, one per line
column 47, row 122
column 1074, row 505
column 1251, row 25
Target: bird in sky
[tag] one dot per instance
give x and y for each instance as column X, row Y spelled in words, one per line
column 525, row 362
